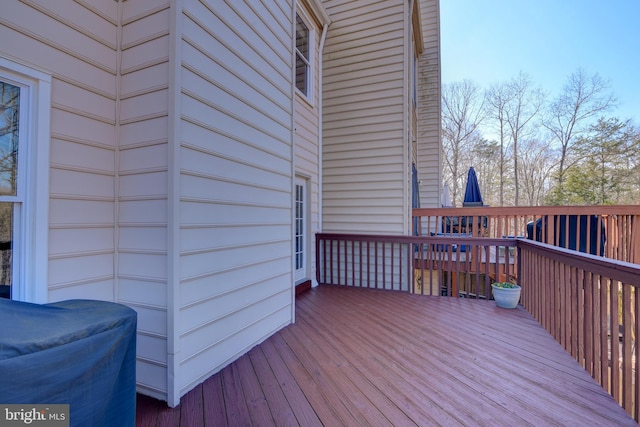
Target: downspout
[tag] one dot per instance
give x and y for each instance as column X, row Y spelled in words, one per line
column 408, row 117
column 314, row 281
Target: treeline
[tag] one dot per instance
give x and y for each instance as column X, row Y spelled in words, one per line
column 530, row 149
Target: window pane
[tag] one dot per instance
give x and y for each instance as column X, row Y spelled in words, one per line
column 302, row 55
column 302, row 37
column 6, row 232
column 299, row 227
column 301, row 74
column 9, row 111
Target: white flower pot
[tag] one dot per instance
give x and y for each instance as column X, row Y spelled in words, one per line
column 506, row 297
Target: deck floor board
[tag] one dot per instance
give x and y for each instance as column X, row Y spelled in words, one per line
column 369, row 357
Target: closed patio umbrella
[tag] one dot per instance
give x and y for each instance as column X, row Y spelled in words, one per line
column 473, row 197
column 472, row 194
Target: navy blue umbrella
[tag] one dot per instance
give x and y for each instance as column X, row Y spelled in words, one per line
column 472, row 193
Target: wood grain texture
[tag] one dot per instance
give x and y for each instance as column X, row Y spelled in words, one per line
column 371, row 357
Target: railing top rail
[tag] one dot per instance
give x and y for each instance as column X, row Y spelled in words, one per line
column 467, row 240
column 626, row 272
column 529, row 210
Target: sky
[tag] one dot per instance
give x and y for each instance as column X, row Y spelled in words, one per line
column 492, row 41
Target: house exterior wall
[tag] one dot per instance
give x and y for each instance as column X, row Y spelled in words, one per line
column 142, row 204
column 365, row 118
column 429, row 107
column 234, row 159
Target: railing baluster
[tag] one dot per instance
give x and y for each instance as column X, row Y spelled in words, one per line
column 368, row 264
column 604, row 347
column 360, row 255
column 576, row 300
column 589, row 330
column 597, row 328
column 636, row 355
column 331, row 260
column 626, row 365
column 614, row 338
column 580, row 315
column 346, row 262
column 383, row 246
column 375, row 249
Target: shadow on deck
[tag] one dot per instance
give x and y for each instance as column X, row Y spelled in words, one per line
column 368, row 357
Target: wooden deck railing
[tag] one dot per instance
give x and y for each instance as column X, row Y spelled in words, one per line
column 590, row 305
column 611, row 231
column 428, row 265
column 587, row 302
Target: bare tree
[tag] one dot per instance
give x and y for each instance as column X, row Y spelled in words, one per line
column 497, row 99
column 524, row 102
column 536, row 161
column 512, row 106
column 462, row 113
column 582, row 99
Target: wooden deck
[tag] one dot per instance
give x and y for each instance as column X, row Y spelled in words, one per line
column 367, row 357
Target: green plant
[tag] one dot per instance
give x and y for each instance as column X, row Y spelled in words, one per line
column 504, row 285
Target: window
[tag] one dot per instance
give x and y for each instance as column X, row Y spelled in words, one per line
column 25, row 102
column 303, row 58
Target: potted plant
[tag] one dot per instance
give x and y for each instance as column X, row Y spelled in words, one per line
column 506, row 294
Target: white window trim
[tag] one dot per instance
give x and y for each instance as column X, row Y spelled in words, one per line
column 312, row 55
column 32, row 228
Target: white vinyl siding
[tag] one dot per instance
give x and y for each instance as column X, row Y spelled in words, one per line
column 365, row 142
column 77, row 46
column 429, row 105
column 235, row 208
column 142, row 180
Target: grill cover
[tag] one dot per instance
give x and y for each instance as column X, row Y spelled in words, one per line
column 76, row 352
